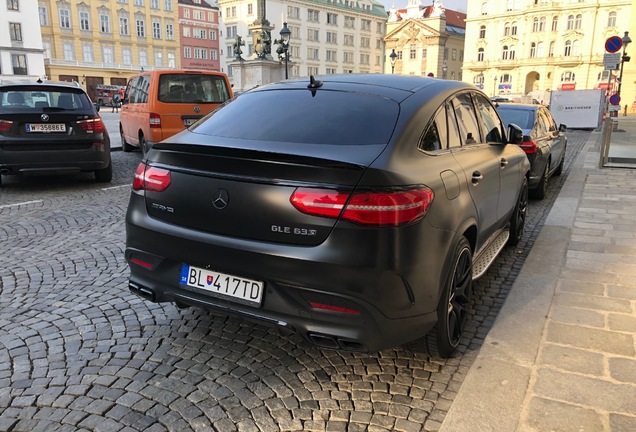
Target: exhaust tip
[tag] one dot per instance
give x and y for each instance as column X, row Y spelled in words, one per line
column 142, row 291
column 323, row 341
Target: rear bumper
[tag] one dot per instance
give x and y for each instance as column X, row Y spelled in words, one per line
column 47, row 160
column 396, row 301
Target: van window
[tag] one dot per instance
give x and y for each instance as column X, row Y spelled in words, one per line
column 192, row 88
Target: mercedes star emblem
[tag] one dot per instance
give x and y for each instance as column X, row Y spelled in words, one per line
column 220, row 198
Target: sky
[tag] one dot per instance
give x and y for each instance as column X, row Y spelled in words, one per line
column 458, row 5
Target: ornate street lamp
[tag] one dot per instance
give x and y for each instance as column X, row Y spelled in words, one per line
column 393, row 57
column 285, row 35
column 625, row 58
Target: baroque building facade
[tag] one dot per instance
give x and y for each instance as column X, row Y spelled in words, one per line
column 521, row 47
column 426, row 40
column 199, row 30
column 104, row 42
column 327, row 36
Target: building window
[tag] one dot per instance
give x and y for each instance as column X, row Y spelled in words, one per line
column 69, row 51
column 15, row 32
column 540, row 52
column 313, row 35
column 13, row 5
column 154, row 4
column 312, row 70
column 104, row 23
column 65, row 19
column 570, row 22
column 167, row 5
column 365, row 25
column 484, row 8
column 156, row 30
column 172, row 60
column 141, row 28
column 348, row 40
column 578, row 21
column 568, row 76
column 454, row 54
column 348, row 57
column 576, row 48
column 506, row 29
column 107, row 52
column 611, row 19
column 293, row 12
column 214, row 55
column 568, row 48
column 504, row 53
column 350, row 22
column 48, row 48
column 213, row 35
column 169, row 31
column 423, row 53
column 143, row 57
column 533, row 49
column 413, row 52
column 185, row 31
column 44, row 15
column 126, row 56
column 85, row 21
column 123, row 26
column 87, row 52
column 542, row 24
column 555, row 23
column 230, row 31
column 313, row 53
column 332, row 37
column 482, row 32
column 513, row 29
column 511, row 53
column 480, row 54
column 313, row 15
column 187, row 52
column 535, row 25
column 365, row 42
column 139, row 3
column 551, row 49
column 19, row 64
column 332, row 18
column 332, row 55
column 250, row 9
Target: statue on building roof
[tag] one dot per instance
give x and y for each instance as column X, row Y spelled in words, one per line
column 438, row 9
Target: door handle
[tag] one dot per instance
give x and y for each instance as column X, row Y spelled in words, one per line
column 504, row 162
column 477, row 177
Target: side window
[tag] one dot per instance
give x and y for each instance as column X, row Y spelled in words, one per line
column 549, row 120
column 435, row 137
column 466, row 119
column 542, row 127
column 493, row 129
column 454, row 139
column 127, row 93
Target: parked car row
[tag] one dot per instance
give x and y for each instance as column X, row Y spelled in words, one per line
column 358, row 218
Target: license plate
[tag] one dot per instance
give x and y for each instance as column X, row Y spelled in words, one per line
column 189, row 122
column 45, row 127
column 223, row 285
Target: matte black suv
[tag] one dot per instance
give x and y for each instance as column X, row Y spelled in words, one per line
column 51, row 127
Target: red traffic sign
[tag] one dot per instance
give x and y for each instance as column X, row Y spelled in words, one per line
column 613, row 44
column 615, row 99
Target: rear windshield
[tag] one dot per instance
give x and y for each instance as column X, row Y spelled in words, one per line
column 25, row 98
column 303, row 117
column 192, row 88
column 522, row 118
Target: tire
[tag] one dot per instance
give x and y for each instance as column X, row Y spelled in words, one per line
column 518, row 218
column 142, row 144
column 559, row 169
column 124, row 145
column 100, row 102
column 542, row 187
column 105, row 175
column 452, row 310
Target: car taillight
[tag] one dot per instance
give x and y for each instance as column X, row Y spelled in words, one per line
column 530, row 147
column 151, row 179
column 155, row 120
column 391, row 208
column 92, row 125
column 5, row 125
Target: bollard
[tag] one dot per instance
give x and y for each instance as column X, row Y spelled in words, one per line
column 625, row 112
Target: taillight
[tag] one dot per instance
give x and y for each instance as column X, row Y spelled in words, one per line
column 391, row 208
column 155, row 120
column 151, row 179
column 530, row 147
column 5, row 125
column 92, row 125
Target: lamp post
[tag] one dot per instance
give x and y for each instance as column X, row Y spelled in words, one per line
column 285, row 35
column 625, row 58
column 494, row 88
column 393, row 57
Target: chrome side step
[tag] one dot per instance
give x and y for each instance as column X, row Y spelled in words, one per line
column 488, row 255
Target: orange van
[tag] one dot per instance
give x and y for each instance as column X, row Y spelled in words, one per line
column 158, row 104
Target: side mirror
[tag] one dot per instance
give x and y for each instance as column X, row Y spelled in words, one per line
column 96, row 105
column 562, row 127
column 515, row 134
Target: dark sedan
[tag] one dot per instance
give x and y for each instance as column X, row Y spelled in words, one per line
column 355, row 210
column 51, row 127
column 543, row 143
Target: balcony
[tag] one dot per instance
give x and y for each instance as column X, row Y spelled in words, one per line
column 96, row 65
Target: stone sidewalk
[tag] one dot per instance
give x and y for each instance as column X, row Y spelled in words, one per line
column 561, row 355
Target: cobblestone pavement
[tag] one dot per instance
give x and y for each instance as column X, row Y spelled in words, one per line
column 79, row 352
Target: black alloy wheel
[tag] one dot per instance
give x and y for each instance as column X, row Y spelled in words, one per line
column 518, row 218
column 452, row 311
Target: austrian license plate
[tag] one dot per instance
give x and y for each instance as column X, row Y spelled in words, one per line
column 189, row 121
column 45, row 127
column 223, row 285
